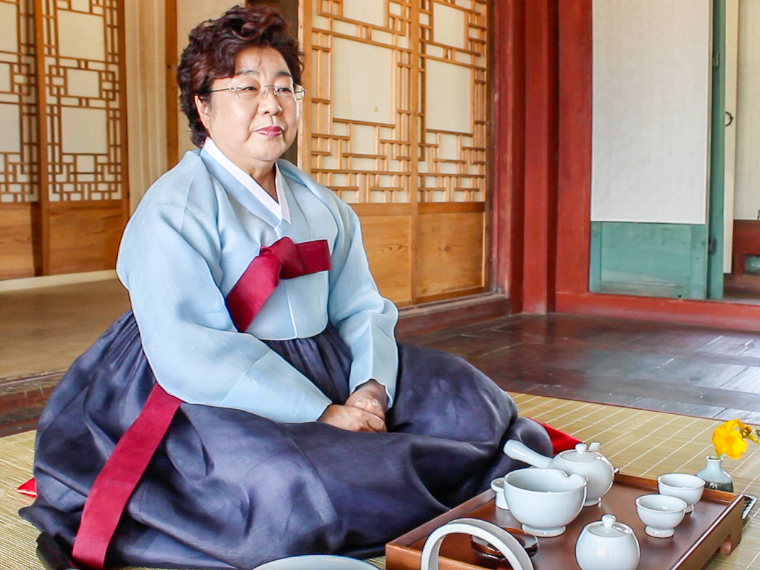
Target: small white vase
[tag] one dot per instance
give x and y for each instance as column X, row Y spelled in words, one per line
column 715, row 476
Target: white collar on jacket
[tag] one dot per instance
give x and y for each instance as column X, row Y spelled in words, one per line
column 278, row 207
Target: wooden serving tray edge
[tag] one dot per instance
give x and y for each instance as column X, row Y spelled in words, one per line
column 723, row 536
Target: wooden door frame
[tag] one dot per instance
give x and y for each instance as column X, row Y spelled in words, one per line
column 574, row 200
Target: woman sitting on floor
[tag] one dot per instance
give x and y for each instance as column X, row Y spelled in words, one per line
column 303, row 426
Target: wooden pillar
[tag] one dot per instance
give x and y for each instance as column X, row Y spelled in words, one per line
column 575, row 110
column 541, row 147
column 508, row 149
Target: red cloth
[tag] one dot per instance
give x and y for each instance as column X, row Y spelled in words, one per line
column 561, row 441
column 119, row 477
column 29, row 488
column 283, row 259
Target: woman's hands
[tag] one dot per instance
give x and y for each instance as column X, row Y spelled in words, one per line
column 364, row 410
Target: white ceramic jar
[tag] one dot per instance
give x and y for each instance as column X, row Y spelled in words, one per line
column 607, row 545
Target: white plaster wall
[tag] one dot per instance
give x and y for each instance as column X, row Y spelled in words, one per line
column 651, row 79
column 747, row 191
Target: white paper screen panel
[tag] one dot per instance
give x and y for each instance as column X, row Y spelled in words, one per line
column 448, row 97
column 362, row 89
column 651, row 94
column 366, row 11
column 81, row 35
column 19, row 174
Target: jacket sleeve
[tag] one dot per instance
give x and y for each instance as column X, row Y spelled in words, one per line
column 363, row 317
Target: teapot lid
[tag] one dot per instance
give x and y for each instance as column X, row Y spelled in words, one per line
column 609, row 527
column 582, row 453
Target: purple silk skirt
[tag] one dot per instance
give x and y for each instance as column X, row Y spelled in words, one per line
column 230, row 489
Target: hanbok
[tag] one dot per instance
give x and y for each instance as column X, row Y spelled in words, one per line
column 244, row 474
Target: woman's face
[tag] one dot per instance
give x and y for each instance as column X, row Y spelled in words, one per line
column 253, row 132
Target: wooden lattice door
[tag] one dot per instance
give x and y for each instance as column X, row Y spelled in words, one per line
column 63, row 163
column 395, row 123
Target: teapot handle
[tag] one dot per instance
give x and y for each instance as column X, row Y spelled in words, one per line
column 492, row 534
column 518, row 451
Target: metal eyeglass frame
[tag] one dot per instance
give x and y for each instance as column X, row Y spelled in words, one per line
column 297, row 91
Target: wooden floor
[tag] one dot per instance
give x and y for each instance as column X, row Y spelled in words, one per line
column 695, row 371
column 702, row 372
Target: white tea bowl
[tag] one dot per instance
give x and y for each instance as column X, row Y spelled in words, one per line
column 682, row 485
column 497, row 486
column 544, row 501
column 660, row 513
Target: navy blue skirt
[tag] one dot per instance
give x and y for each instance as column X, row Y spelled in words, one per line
column 230, row 489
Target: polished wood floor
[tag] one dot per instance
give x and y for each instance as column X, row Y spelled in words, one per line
column 686, row 370
column 45, row 329
column 695, row 371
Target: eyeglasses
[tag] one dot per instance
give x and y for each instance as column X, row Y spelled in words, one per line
column 251, row 92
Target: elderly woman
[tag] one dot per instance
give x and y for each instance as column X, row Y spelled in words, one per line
column 258, row 359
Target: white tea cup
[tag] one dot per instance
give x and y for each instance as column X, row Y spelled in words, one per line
column 682, row 485
column 660, row 513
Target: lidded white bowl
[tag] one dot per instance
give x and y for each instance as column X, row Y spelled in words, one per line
column 544, row 501
column 607, row 545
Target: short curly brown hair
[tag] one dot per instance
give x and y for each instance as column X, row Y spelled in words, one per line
column 215, row 44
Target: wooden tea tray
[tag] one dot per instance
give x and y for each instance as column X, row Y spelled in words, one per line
column 714, row 525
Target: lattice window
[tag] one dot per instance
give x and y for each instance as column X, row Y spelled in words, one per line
column 367, row 143
column 361, row 124
column 454, row 143
column 19, row 174
column 82, row 99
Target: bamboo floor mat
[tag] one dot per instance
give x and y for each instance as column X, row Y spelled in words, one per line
column 639, row 442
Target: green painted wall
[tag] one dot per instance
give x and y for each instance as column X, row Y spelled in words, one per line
column 653, row 260
column 717, row 153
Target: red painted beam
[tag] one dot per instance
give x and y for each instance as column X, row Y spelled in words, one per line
column 681, row 311
column 575, row 114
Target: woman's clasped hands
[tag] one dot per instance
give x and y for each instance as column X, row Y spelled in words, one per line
column 364, row 410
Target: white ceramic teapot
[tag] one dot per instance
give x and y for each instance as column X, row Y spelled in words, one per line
column 607, row 545
column 489, row 532
column 584, row 460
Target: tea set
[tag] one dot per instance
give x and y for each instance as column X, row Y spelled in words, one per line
column 544, row 499
column 548, row 496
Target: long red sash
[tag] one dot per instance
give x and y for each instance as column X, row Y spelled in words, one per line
column 117, row 480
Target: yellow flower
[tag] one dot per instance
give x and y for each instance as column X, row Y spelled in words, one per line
column 728, row 438
column 747, row 432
